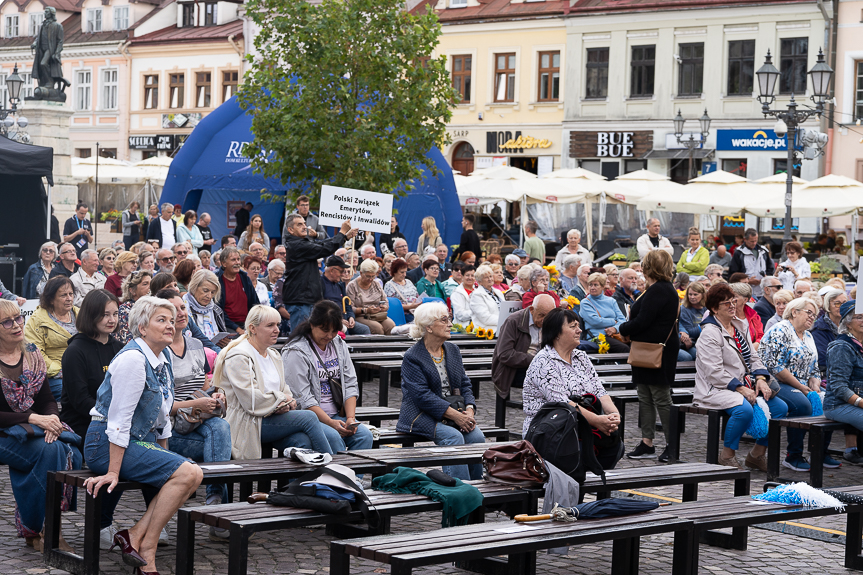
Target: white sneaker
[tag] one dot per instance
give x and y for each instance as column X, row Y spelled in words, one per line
column 219, row 535
column 106, row 537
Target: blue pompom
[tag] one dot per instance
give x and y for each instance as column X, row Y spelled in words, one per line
column 760, row 423
column 815, row 400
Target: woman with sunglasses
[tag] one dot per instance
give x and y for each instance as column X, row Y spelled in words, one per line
column 124, row 265
column 37, row 275
column 789, row 353
column 26, row 399
column 136, row 286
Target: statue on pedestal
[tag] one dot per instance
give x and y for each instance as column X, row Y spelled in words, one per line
column 47, row 66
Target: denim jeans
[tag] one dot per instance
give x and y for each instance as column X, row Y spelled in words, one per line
column 446, row 435
column 846, row 413
column 798, row 406
column 741, row 417
column 211, row 441
column 359, row 329
column 362, row 439
column 278, row 429
column 299, row 313
column 56, row 384
column 686, row 354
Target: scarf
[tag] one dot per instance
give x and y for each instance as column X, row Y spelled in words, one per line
column 207, row 316
column 20, row 394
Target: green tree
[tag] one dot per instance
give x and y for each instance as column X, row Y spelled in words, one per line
column 344, row 93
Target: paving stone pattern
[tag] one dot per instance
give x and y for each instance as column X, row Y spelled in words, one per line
column 306, row 551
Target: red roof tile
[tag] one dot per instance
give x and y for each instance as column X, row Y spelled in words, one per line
column 612, row 6
column 175, row 34
column 496, row 10
column 72, row 35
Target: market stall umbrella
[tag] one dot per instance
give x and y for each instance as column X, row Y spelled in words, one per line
column 575, row 173
column 718, row 193
column 642, row 183
column 156, row 168
column 111, row 171
column 480, row 191
column 831, row 195
column 502, row 173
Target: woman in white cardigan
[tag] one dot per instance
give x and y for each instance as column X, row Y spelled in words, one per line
column 260, row 406
column 485, row 300
column 460, row 298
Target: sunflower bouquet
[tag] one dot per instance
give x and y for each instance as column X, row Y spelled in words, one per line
column 572, row 301
column 602, row 343
column 553, row 276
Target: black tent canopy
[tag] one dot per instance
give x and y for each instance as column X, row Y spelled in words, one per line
column 25, row 204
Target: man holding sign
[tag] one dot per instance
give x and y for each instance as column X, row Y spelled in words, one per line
column 302, row 287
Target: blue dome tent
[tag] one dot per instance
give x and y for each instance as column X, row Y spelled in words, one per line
column 210, row 171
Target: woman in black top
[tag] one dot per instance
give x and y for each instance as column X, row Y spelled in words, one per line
column 652, row 319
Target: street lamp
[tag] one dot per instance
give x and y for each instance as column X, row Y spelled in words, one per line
column 691, row 144
column 789, row 119
column 14, row 83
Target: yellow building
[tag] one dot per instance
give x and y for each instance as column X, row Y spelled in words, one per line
column 507, row 61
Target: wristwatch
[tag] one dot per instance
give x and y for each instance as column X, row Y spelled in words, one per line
column 857, row 403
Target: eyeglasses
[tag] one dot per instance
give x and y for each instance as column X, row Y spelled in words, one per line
column 48, row 251
column 168, row 259
column 811, row 314
column 12, row 321
column 729, row 303
column 183, row 253
column 774, row 286
column 444, row 320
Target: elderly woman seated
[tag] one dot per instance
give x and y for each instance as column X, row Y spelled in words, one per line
column 538, row 281
column 369, row 300
column 844, row 398
column 26, row 399
column 780, row 300
column 742, row 295
column 437, row 399
column 485, row 300
column 826, row 328
column 601, row 314
column 560, row 370
column 521, row 284
column 789, row 353
column 691, row 314
column 460, row 298
column 729, row 375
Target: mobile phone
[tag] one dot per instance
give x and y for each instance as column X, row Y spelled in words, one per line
column 353, row 425
column 383, row 302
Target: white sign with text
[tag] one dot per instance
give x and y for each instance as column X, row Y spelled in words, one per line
column 368, row 211
column 28, row 308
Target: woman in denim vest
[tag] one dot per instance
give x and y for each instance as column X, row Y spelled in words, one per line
column 131, row 425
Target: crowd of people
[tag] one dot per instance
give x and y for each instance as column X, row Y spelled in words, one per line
column 192, row 329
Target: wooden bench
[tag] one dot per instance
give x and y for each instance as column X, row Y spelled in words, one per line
column 621, row 397
column 816, row 426
column 251, row 470
column 242, row 519
column 410, row 439
column 375, row 415
column 478, row 545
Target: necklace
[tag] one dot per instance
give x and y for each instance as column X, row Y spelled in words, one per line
column 436, row 360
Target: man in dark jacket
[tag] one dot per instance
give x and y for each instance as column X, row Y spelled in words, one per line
column 164, row 228
column 624, row 295
column 238, row 295
column 388, row 239
column 753, row 260
column 242, row 216
column 469, row 241
column 764, row 306
column 518, row 342
column 302, row 288
column 334, row 290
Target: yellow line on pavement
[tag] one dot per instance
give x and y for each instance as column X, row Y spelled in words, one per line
column 805, row 526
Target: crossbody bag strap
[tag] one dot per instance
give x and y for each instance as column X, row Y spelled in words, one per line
column 674, row 325
column 318, row 355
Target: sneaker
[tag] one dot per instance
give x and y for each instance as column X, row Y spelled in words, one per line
column 106, row 537
column 854, row 458
column 729, row 461
column 163, row 537
column 663, row 457
column 642, row 451
column 219, row 535
column 796, row 463
column 830, row 463
column 759, row 463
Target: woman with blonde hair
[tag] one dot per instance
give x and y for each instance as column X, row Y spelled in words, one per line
column 136, row 286
column 261, row 408
column 743, row 292
column 124, row 265
column 147, row 261
column 107, row 257
column 430, row 236
column 691, row 314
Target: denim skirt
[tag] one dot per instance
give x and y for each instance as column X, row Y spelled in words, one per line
column 145, row 461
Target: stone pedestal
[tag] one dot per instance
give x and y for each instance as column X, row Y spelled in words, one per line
column 49, row 126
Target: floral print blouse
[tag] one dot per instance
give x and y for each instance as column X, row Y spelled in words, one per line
column 123, row 335
column 782, row 348
column 549, row 378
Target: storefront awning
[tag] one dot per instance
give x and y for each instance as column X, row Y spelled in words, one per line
column 676, row 154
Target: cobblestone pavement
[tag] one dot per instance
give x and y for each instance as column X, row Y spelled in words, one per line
column 306, row 551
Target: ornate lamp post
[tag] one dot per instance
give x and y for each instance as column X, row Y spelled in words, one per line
column 691, row 144
column 8, row 119
column 788, row 120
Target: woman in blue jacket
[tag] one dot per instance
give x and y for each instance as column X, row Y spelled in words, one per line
column 601, row 314
column 691, row 313
column 432, row 370
column 37, row 274
column 843, row 402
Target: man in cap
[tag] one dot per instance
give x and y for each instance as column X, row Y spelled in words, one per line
column 333, row 289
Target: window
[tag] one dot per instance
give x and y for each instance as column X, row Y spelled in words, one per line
column 549, row 76
column 458, row 3
column 109, row 89
column 83, row 89
column 229, row 84
column 151, row 92
column 859, row 105
column 176, row 85
column 461, row 76
column 504, row 74
column 597, row 73
column 12, row 26
column 741, row 67
column 94, row 20
column 188, row 15
column 83, row 152
column 630, row 166
column 4, row 93
column 36, row 19
column 27, row 87
column 121, row 17
column 423, row 62
column 691, row 79
column 793, row 53
column 643, row 66
column 210, row 14
column 203, row 80
column 736, row 167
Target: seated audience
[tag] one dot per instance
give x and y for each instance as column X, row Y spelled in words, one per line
column 238, row 294
column 729, row 375
column 485, row 300
column 460, row 298
column 845, row 376
column 826, row 328
column 780, row 300
column 696, row 258
column 136, row 286
column 402, row 288
column 433, row 372
column 253, row 265
column 369, row 300
column 539, row 280
column 183, row 273
column 794, row 268
column 612, row 274
column 124, row 265
column 162, row 280
column 601, row 314
column 429, row 285
column 691, row 314
column 87, row 278
column 333, row 289
column 37, row 274
column 743, row 293
column 51, row 326
column 455, row 279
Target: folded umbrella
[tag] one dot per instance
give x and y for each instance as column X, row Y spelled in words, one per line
column 599, row 509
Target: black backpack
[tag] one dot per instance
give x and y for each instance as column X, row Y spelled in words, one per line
column 564, row 439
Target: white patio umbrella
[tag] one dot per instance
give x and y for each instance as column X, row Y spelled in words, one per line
column 156, row 168
column 642, row 183
column 575, row 173
column 717, row 193
column 503, row 173
column 831, row 195
column 111, row 171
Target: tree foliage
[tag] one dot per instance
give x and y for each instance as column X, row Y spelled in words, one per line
column 341, row 93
